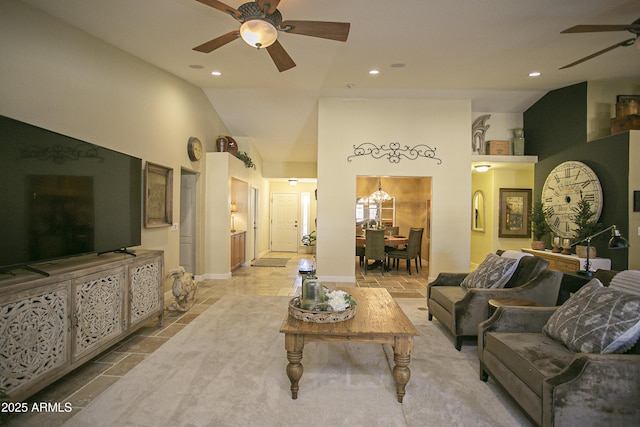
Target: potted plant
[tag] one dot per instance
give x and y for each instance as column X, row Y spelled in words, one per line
column 309, row 240
column 586, row 225
column 248, row 163
column 539, row 226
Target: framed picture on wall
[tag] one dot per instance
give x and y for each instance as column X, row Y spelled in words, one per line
column 158, row 196
column 515, row 206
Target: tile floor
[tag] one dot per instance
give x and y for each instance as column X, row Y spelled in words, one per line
column 87, row 382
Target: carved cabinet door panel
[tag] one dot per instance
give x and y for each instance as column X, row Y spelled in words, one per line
column 34, row 342
column 98, row 309
column 146, row 294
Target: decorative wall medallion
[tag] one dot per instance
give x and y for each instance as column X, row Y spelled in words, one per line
column 478, row 129
column 394, row 152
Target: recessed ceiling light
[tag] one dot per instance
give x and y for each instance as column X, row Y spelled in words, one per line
column 216, row 73
column 374, row 72
column 482, row 168
column 534, row 74
column 196, row 66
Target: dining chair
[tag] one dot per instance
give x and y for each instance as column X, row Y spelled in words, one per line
column 374, row 249
column 420, row 247
column 411, row 252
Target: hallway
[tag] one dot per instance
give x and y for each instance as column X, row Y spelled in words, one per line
column 84, row 384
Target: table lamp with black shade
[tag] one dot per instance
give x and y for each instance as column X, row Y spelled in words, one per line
column 615, row 242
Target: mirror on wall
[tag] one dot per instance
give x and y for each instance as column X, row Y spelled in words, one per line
column 477, row 214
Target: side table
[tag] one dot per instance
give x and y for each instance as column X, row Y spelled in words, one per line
column 494, row 303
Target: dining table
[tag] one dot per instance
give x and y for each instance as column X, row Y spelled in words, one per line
column 393, row 241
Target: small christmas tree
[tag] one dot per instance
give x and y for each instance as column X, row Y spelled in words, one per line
column 585, row 220
column 539, row 226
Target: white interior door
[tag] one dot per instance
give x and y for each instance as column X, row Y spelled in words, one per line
column 285, row 211
column 252, row 233
column 188, row 221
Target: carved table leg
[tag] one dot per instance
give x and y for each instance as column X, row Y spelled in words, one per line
column 294, row 344
column 402, row 356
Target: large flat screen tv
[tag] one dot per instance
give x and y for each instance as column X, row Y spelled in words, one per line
column 61, row 197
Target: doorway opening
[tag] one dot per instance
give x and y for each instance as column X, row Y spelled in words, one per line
column 409, row 206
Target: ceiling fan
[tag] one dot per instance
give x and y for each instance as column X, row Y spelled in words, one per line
column 261, row 21
column 633, row 28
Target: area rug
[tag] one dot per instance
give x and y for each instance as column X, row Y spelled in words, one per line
column 270, row 262
column 227, row 368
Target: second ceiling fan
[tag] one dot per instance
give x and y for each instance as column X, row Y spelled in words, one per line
column 261, row 22
column 633, row 28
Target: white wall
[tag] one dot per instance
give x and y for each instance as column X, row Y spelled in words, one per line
column 60, row 78
column 440, row 124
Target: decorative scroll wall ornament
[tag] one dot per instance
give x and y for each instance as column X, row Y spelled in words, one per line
column 394, row 152
column 184, row 289
column 478, row 129
column 32, row 337
column 59, row 154
column 145, row 299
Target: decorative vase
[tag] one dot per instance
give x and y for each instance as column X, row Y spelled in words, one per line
column 222, row 144
column 518, row 142
column 538, row 245
column 312, row 293
column 232, row 146
column 581, row 251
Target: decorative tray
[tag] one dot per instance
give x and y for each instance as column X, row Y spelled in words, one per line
column 329, row 316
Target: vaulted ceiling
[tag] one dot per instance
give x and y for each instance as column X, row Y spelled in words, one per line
column 482, row 50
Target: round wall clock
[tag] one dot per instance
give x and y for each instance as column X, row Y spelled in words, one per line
column 565, row 185
column 194, row 149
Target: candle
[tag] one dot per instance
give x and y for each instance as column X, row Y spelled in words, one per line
column 556, row 241
column 566, row 243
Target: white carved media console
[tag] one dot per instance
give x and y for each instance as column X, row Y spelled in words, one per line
column 51, row 325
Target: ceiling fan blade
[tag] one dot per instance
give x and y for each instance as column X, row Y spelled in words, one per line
column 280, row 57
column 214, row 44
column 600, row 28
column 338, row 31
column 221, row 7
column 273, row 4
column 627, row 42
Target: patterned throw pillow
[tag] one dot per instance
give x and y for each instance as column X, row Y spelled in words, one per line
column 494, row 272
column 597, row 320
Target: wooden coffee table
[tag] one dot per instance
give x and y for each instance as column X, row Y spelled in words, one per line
column 378, row 319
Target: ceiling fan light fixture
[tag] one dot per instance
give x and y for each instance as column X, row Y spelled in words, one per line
column 258, row 33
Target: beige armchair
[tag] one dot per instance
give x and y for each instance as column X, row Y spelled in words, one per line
column 461, row 310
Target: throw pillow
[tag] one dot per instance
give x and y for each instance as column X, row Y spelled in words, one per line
column 627, row 281
column 597, row 320
column 494, row 272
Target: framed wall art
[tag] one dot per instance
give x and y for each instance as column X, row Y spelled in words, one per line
column 158, row 196
column 515, row 206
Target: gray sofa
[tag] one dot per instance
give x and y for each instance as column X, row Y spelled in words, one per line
column 461, row 310
column 554, row 385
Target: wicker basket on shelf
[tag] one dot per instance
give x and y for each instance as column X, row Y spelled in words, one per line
column 329, row 316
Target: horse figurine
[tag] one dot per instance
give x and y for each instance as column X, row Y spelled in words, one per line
column 184, row 289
